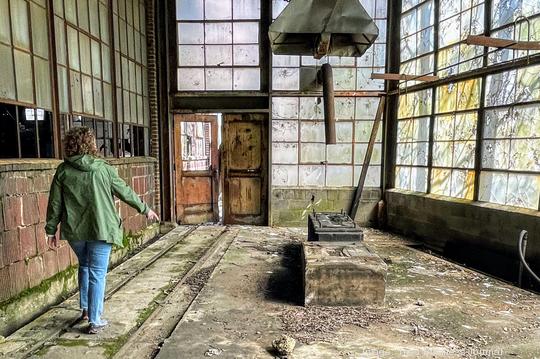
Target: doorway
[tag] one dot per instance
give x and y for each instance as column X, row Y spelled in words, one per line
column 221, row 168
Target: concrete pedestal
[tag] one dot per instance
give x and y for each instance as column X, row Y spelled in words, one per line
column 342, row 274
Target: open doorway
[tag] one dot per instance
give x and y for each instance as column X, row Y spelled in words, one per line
column 221, row 165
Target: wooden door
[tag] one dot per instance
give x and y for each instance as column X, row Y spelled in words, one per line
column 196, row 168
column 245, row 166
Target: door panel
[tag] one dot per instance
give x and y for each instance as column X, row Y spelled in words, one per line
column 196, row 168
column 245, row 163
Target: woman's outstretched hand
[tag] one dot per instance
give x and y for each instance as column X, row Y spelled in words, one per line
column 151, row 215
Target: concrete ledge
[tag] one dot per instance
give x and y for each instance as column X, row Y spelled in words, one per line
column 342, row 274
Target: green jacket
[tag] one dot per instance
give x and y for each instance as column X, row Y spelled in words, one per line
column 81, row 199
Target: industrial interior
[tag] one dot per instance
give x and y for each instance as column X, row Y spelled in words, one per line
column 334, row 178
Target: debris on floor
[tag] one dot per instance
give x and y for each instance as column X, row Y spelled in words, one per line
column 284, row 346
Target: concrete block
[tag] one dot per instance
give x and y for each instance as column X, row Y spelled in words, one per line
column 342, row 274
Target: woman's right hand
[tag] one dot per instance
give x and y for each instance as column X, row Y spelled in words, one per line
column 151, row 215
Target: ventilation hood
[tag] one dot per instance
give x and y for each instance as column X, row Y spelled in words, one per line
column 323, row 27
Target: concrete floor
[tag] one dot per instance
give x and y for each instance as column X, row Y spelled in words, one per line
column 433, row 308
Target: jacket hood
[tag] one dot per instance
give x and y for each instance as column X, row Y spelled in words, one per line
column 86, row 163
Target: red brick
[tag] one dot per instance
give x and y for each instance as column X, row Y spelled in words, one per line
column 27, row 239
column 5, row 286
column 64, row 258
column 73, row 258
column 12, row 211
column 30, row 209
column 42, row 183
column 50, row 263
column 11, row 249
column 35, row 271
column 18, row 277
column 2, row 226
column 41, row 239
column 43, row 201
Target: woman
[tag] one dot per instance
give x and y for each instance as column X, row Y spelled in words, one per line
column 81, row 199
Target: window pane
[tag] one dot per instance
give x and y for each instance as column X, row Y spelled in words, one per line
column 9, row 147
column 19, row 23
column 44, row 122
column 7, row 82
column 27, row 131
column 23, row 74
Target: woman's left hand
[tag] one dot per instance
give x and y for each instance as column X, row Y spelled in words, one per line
column 151, row 215
column 52, row 241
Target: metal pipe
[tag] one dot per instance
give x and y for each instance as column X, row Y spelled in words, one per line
column 329, row 110
column 522, row 248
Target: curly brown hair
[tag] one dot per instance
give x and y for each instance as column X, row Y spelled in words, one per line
column 80, row 141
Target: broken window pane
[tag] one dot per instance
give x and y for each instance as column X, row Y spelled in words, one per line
column 285, row 78
column 285, row 175
column 286, row 131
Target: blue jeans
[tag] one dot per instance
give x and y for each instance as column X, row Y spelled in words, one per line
column 93, row 259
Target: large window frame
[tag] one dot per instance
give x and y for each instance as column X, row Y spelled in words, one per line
column 486, row 68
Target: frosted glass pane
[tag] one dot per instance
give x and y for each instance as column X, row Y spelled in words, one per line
column 284, row 175
column 419, row 153
column 285, row 79
column 464, row 152
column 40, row 31
column 360, row 153
column 493, row 187
column 246, row 32
column 312, row 176
column 82, row 11
column 311, row 108
column 138, row 79
column 363, row 129
column 88, row 95
column 344, row 107
column 71, row 11
column 219, row 79
column 441, row 180
column 284, row 131
column 96, row 59
column 285, row 153
column 344, row 131
column 247, row 79
column 60, row 41
column 218, row 55
column 285, row 107
column 364, row 81
column 23, row 75
column 501, row 88
column 106, row 62
column 86, row 57
column 496, row 154
column 404, row 154
column 523, row 190
column 285, row 61
column 218, row 33
column 7, row 79
column 5, row 30
column 190, row 55
column 246, row 55
column 75, row 91
column 373, row 178
column 190, row 33
column 190, row 79
column 462, row 185
column 104, row 23
column 98, row 98
column 73, row 48
column 418, row 179
column 107, row 101
column 132, row 77
column 218, row 9
column 312, row 132
column 340, row 153
column 339, row 176
column 442, row 154
column 43, row 83
column 94, row 17
column 366, row 108
column 19, row 23
column 312, row 152
column 525, row 155
column 246, row 9
column 345, row 79
column 403, row 177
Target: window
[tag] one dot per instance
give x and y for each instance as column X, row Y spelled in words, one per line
column 417, row 39
column 511, row 141
column 218, row 45
column 412, row 141
column 25, row 132
column 300, row 155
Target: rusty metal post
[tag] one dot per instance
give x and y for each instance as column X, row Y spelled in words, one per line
column 327, row 80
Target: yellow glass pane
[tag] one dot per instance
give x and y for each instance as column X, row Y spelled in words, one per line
column 468, row 94
column 447, row 98
column 440, row 181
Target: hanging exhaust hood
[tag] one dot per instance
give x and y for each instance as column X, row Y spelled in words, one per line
column 323, row 27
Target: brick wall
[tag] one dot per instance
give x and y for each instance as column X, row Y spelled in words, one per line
column 288, row 204
column 25, row 259
column 481, row 235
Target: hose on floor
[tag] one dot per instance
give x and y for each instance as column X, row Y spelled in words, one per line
column 522, row 244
